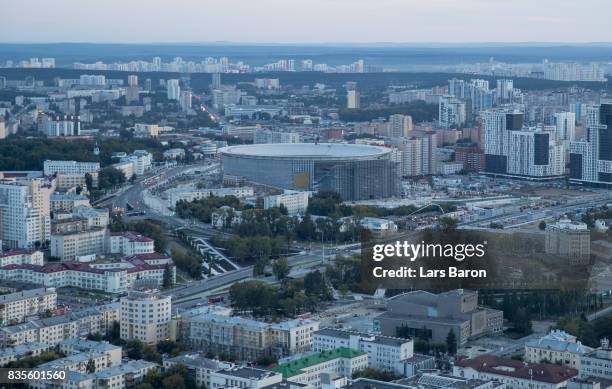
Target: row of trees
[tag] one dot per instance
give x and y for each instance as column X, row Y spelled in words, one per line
column 293, row 297
column 202, row 209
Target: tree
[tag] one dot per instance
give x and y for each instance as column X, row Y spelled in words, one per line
column 281, row 268
column 447, row 223
column 110, row 177
column 91, row 366
column 134, row 349
column 542, row 225
column 167, row 277
column 376, row 374
column 451, row 342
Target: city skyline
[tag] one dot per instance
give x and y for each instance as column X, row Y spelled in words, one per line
column 319, row 21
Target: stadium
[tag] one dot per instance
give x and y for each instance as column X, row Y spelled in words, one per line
column 356, row 172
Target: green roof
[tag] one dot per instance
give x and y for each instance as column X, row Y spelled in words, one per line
column 295, row 367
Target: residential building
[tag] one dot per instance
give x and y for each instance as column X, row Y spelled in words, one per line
column 12, row 354
column 51, row 167
column 67, row 201
column 432, row 316
column 24, row 213
column 243, row 377
column 262, row 135
column 21, row 257
column 129, row 243
column 565, row 125
column 451, row 112
column 200, row 367
column 189, row 195
column 515, row 374
column 295, row 202
column 556, row 347
column 19, row 306
column 55, row 329
column 400, row 125
column 74, row 346
column 247, row 339
column 597, row 363
column 173, row 89
column 569, row 239
column 145, row 316
column 353, row 99
column 96, row 217
column 591, row 159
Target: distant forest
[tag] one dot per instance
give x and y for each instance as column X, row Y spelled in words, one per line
column 366, row 82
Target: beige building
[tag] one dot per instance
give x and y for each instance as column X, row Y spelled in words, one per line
column 569, row 239
column 71, row 245
column 19, row 306
column 145, row 316
column 556, row 347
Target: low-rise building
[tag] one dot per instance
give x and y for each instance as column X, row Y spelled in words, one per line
column 248, row 339
column 108, row 276
column 96, row 217
column 200, row 367
column 19, row 306
column 384, row 352
column 178, row 194
column 341, row 362
column 556, row 347
column 67, row 201
column 54, row 330
column 21, row 257
column 569, row 239
column 243, row 377
column 76, row 346
column 129, row 243
column 69, row 246
column 295, row 202
column 515, row 374
column 12, row 354
column 597, row 363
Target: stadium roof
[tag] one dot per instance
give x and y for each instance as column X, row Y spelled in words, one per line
column 307, row 150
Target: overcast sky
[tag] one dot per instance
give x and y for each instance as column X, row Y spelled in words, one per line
column 305, row 21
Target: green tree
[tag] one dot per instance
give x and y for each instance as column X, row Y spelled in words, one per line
column 167, row 277
column 451, row 342
column 91, row 366
column 281, row 268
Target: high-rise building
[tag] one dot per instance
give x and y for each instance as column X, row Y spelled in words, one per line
column 352, row 99
column 591, row 159
column 400, row 125
column 132, row 80
column 505, row 90
column 173, row 89
column 216, row 81
column 185, row 100
column 24, row 213
column 497, row 125
column 565, row 123
column 145, row 316
column 451, row 111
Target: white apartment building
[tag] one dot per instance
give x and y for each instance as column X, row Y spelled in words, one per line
column 67, row 201
column 598, row 362
column 201, row 367
column 24, row 213
column 565, row 125
column 75, row 346
column 262, row 136
column 535, row 153
column 72, row 245
column 451, row 112
column 173, row 89
column 125, row 167
column 295, row 202
column 19, row 306
column 96, row 217
column 556, row 347
column 384, row 352
column 11, row 354
column 243, row 377
column 54, row 330
column 51, row 167
column 399, row 125
column 569, row 239
column 145, row 316
column 340, row 362
column 141, row 160
column 129, row 243
column 515, row 374
column 110, row 277
column 189, row 195
column 21, row 257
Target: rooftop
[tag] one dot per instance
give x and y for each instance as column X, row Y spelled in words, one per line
column 296, row 367
column 306, row 150
column 247, row 372
column 542, row 372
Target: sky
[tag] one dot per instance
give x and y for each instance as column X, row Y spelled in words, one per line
column 305, row 21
